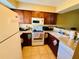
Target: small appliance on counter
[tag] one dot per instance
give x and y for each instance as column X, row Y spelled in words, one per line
column 48, row 28
column 25, row 27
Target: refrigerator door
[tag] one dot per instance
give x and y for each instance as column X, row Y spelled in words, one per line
column 11, row 48
column 8, row 22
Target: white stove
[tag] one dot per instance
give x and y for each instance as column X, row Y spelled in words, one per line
column 37, row 31
column 38, row 38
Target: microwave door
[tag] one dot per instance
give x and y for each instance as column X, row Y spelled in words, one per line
column 35, row 21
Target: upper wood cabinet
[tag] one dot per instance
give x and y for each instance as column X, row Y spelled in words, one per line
column 37, row 14
column 53, row 18
column 50, row 18
column 46, row 18
column 27, row 17
column 20, row 13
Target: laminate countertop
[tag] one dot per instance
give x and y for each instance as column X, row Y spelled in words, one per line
column 65, row 39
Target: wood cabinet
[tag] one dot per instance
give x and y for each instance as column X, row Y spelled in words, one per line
column 46, row 38
column 53, row 18
column 37, row 14
column 53, row 44
column 21, row 17
column 27, row 39
column 50, row 18
column 27, row 17
column 46, row 18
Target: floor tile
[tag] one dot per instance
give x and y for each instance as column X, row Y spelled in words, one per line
column 45, row 57
column 27, row 57
column 36, row 57
column 52, row 56
column 38, row 52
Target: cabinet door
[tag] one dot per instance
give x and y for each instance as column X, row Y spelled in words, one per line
column 54, row 46
column 46, row 18
column 11, row 48
column 50, row 18
column 53, row 43
column 37, row 14
column 27, row 39
column 53, row 18
column 27, row 17
column 46, row 40
column 49, row 40
column 20, row 13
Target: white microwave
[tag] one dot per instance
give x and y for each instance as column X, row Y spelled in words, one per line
column 37, row 21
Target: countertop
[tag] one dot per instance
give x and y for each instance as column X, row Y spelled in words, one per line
column 28, row 31
column 65, row 39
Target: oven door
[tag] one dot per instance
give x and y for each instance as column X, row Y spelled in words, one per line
column 37, row 35
column 37, row 38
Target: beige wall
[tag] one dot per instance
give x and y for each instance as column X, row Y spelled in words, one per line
column 68, row 20
column 35, row 7
column 67, row 5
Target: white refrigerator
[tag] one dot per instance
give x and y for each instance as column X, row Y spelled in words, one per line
column 10, row 43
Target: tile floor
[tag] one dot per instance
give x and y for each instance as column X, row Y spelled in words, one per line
column 38, row 52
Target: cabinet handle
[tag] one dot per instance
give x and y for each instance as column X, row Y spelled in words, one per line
column 55, row 42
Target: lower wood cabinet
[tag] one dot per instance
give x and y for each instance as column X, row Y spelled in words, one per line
column 60, row 50
column 27, row 17
column 45, row 40
column 27, row 39
column 53, row 44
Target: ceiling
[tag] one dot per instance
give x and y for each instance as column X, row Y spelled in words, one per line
column 44, row 2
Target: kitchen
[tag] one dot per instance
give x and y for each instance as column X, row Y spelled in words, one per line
column 39, row 28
